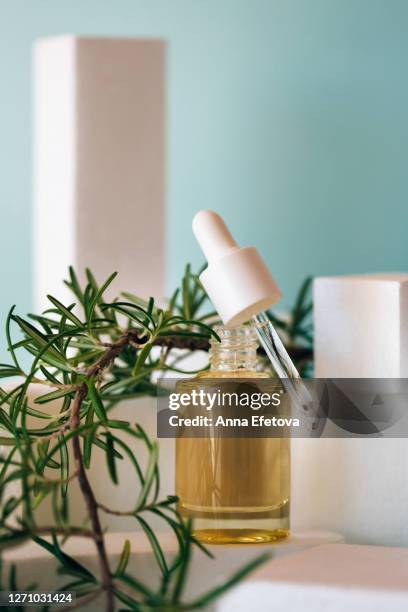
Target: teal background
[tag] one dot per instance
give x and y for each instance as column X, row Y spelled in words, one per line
column 289, row 117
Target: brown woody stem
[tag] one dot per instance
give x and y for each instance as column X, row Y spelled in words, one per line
column 92, row 505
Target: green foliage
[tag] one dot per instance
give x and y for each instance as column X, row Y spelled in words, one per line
column 89, row 355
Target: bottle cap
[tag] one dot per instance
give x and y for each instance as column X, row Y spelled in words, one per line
column 237, row 281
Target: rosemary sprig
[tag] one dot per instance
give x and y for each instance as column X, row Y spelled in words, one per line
column 89, row 355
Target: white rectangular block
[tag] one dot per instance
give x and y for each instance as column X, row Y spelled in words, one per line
column 357, row 487
column 99, row 162
column 329, row 578
column 361, row 326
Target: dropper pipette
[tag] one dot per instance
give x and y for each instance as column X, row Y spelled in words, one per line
column 241, row 288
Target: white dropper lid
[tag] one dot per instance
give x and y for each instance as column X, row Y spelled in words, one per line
column 237, row 281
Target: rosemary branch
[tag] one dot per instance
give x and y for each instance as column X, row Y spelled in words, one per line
column 104, row 361
column 89, row 365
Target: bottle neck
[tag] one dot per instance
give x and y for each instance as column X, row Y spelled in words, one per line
column 236, row 351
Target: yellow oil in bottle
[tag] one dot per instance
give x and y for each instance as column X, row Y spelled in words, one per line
column 236, row 490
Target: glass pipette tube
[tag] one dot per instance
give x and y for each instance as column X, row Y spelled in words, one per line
column 281, row 361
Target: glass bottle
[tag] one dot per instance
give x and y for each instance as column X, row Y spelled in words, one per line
column 236, row 490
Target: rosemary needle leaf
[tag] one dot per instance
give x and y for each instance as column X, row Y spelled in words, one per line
column 124, row 559
column 97, row 299
column 110, row 458
column 96, row 401
column 53, row 395
column 65, row 311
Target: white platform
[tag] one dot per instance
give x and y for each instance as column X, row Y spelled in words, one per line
column 328, row 578
column 35, row 564
column 358, row 487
